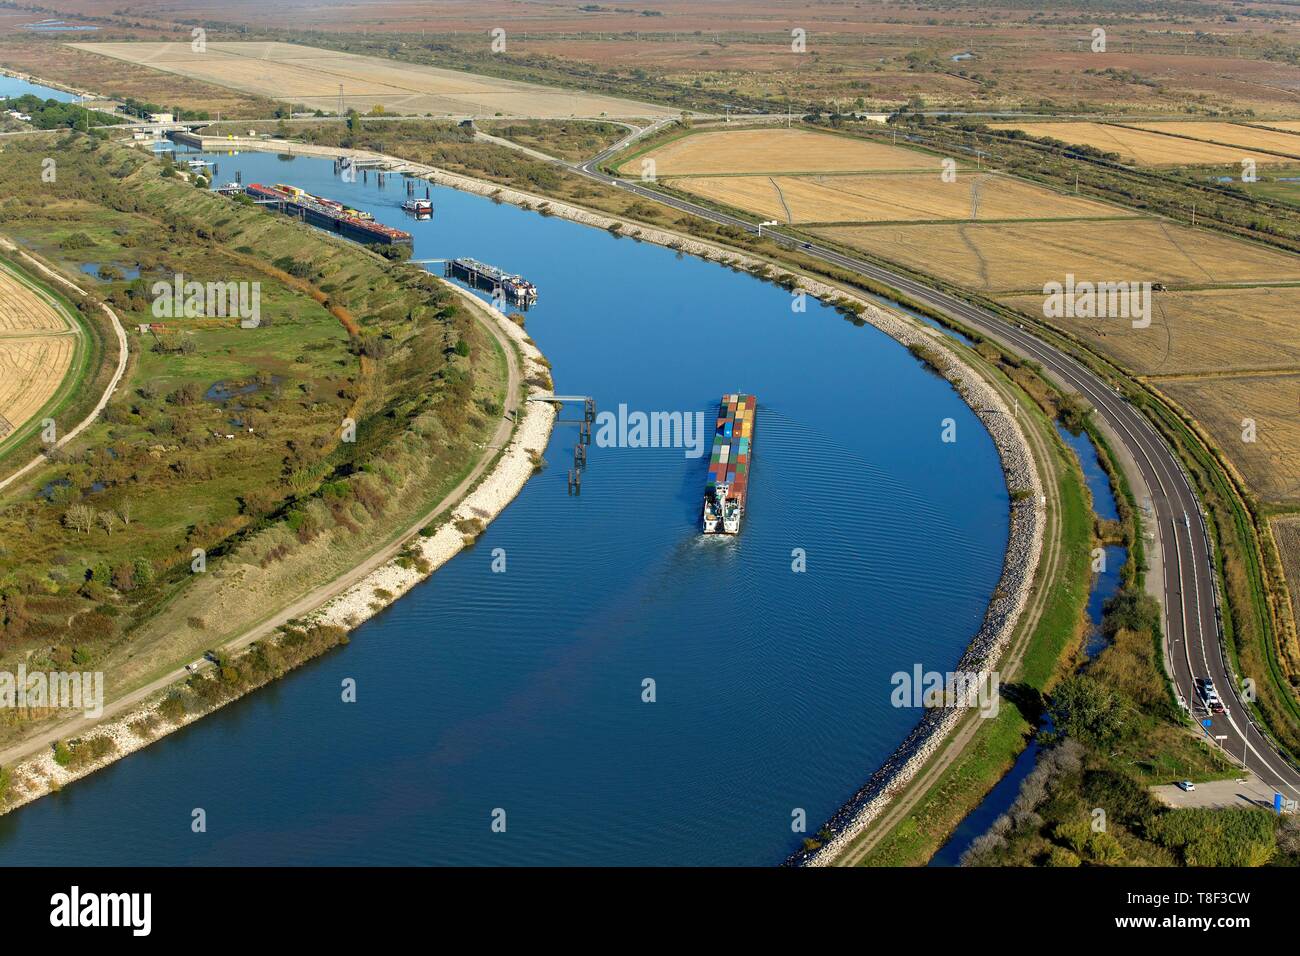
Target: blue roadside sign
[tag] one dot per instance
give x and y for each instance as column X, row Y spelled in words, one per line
column 1207, row 722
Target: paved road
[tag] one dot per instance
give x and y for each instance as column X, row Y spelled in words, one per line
column 1193, row 633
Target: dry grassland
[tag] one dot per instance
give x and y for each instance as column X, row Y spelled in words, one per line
column 1015, row 257
column 777, row 151
column 1213, row 330
column 892, row 198
column 311, row 76
column 1136, row 145
column 1271, row 464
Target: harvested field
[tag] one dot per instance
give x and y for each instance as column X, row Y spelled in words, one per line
column 37, row 347
column 1011, row 257
column 1271, row 464
column 1291, row 126
column 1286, row 531
column 778, row 151
column 1137, row 145
column 312, row 76
column 892, row 198
column 31, row 370
column 1234, row 134
column 23, row 312
column 1213, row 330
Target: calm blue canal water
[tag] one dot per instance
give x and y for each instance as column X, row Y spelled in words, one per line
column 522, row 690
column 11, row 86
column 1104, row 584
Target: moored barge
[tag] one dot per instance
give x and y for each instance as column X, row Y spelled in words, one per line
column 480, row 275
column 327, row 214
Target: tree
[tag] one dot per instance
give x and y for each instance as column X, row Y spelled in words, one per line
column 144, row 572
column 1084, row 708
column 79, row 518
column 106, row 520
column 125, row 510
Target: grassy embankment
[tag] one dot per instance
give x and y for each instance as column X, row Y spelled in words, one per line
column 989, row 753
column 97, row 569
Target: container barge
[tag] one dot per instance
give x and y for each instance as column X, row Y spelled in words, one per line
column 480, row 275
column 728, row 484
column 327, row 214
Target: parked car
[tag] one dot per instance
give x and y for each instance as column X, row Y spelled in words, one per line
column 1186, row 786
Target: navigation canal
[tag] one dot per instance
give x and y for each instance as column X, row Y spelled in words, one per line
column 523, row 691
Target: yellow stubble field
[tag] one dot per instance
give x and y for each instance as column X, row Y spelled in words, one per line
column 1246, row 137
column 1286, row 531
column 314, row 76
column 37, row 346
column 776, row 151
column 899, row 197
column 1290, row 126
column 1016, row 257
column 1209, row 330
column 1271, row 463
column 1139, row 146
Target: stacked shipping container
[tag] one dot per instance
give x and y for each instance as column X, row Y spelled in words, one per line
column 729, row 462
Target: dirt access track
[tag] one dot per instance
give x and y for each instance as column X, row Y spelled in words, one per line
column 314, row 77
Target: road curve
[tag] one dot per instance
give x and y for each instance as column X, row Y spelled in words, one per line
column 1194, row 640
